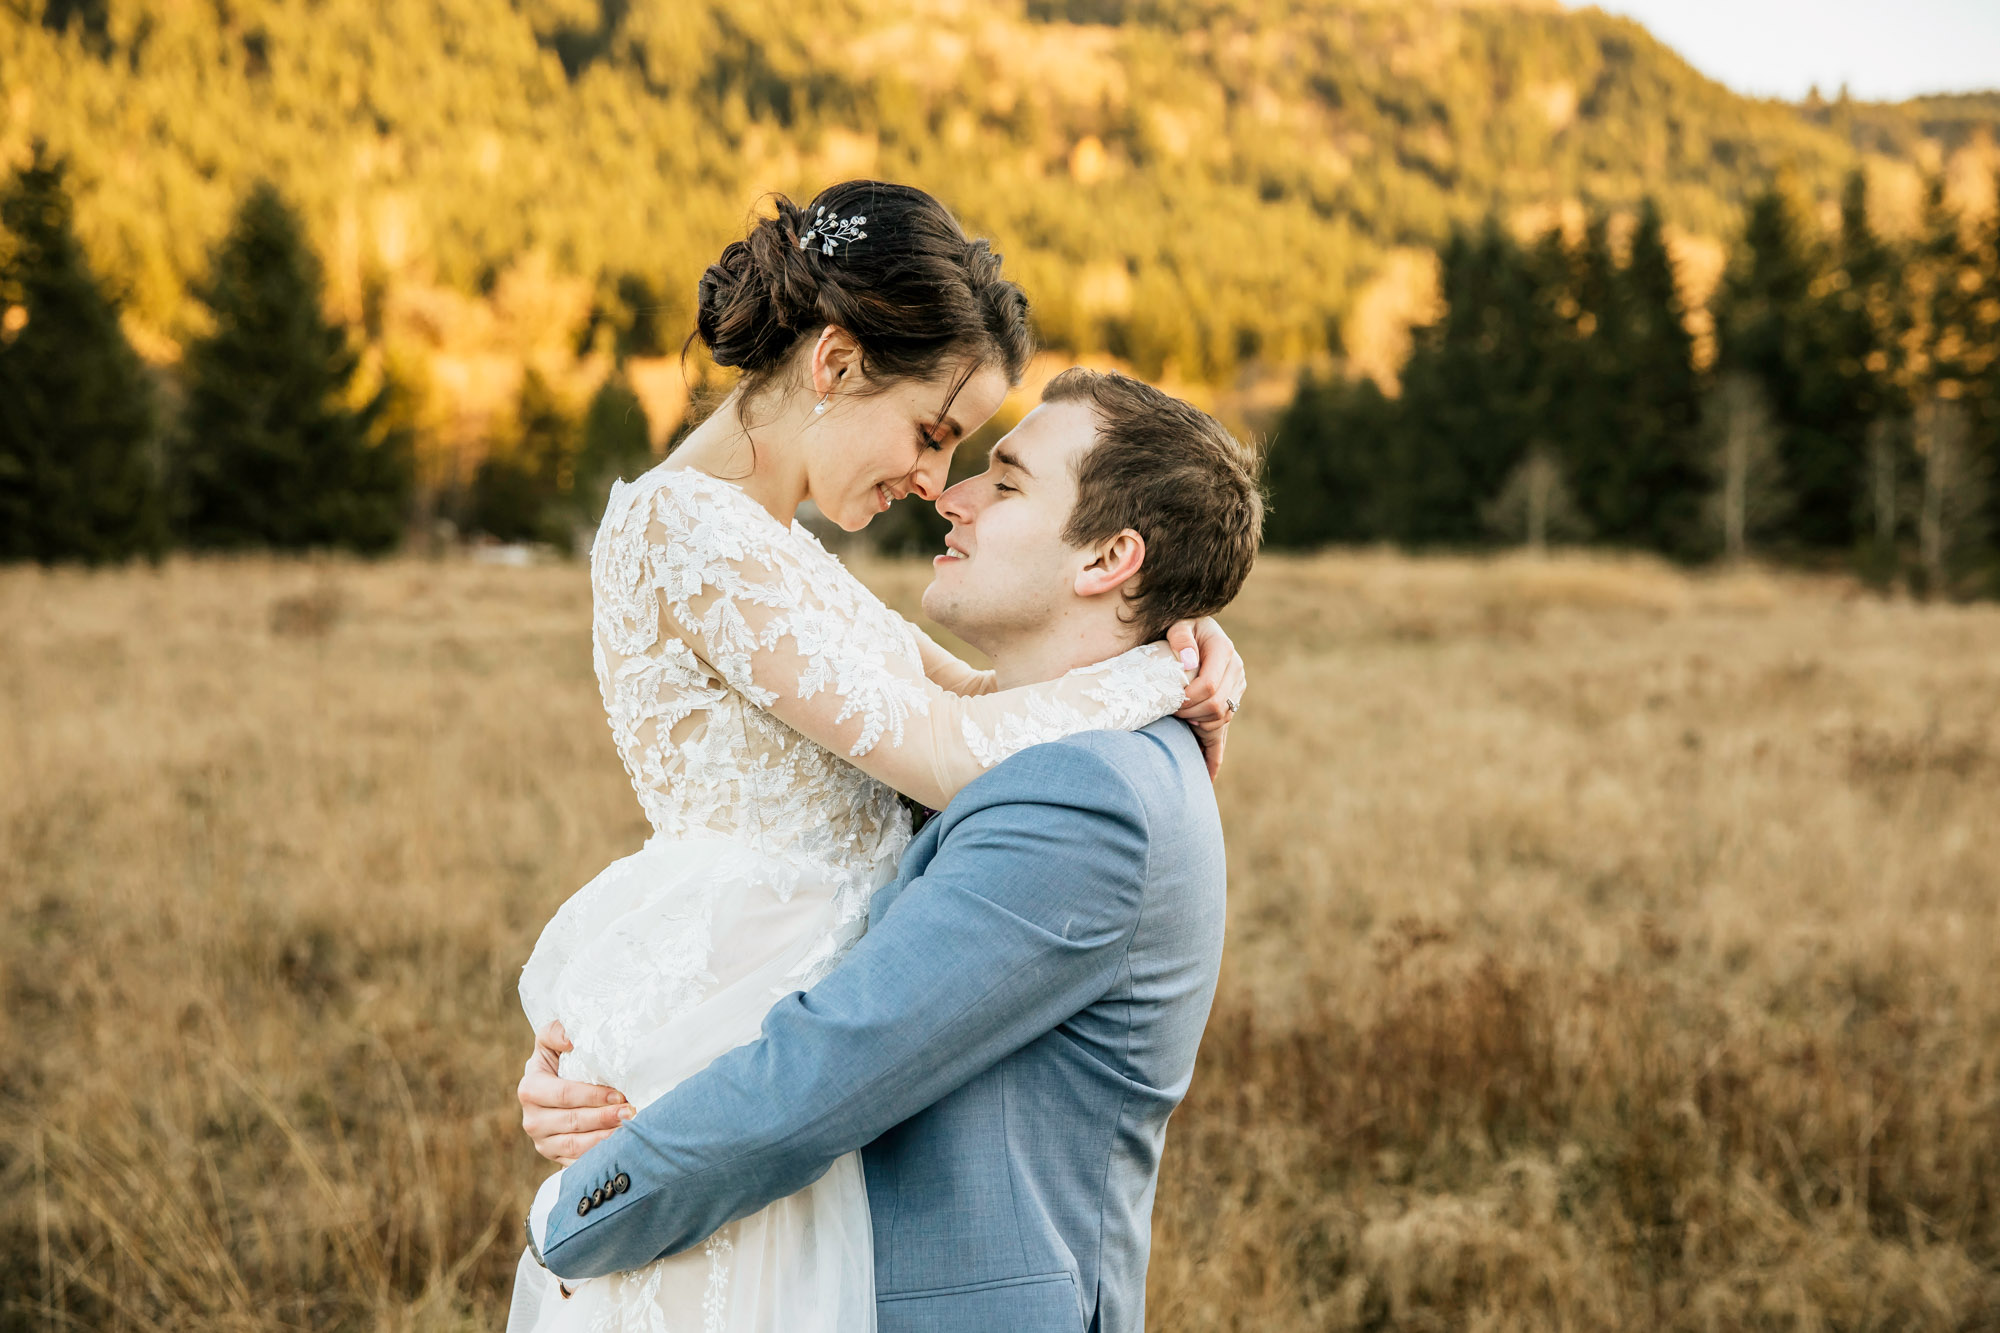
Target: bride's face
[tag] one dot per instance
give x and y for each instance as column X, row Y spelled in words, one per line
column 870, row 448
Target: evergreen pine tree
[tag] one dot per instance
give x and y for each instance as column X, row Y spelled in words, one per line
column 1589, row 407
column 77, row 420
column 1949, row 371
column 617, row 446
column 1863, row 319
column 1328, row 466
column 523, row 489
column 1984, row 379
column 1476, row 392
column 1767, row 328
column 272, row 452
column 1652, row 495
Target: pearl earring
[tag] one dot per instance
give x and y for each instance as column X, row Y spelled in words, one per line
column 820, row 407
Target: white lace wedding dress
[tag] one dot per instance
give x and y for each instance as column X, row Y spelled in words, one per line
column 767, row 707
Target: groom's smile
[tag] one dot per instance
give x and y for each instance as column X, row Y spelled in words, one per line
column 1012, row 517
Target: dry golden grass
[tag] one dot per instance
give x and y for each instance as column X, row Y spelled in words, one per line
column 1608, row 949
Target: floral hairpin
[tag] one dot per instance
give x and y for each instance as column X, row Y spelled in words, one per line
column 832, row 231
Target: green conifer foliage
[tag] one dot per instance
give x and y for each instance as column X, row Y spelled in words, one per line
column 1476, row 392
column 77, row 424
column 1588, row 411
column 1777, row 322
column 1864, row 318
column 1652, row 494
column 1325, row 465
column 617, row 446
column 523, row 490
column 272, row 453
column 1762, row 330
column 1950, row 353
column 1984, row 380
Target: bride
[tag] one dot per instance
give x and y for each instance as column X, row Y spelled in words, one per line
column 769, row 709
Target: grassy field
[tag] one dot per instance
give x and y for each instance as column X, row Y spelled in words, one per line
column 1608, row 948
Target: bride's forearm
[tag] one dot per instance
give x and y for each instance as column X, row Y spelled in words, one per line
column 947, row 672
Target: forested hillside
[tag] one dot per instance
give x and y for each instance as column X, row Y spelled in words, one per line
column 1196, row 183
column 476, row 225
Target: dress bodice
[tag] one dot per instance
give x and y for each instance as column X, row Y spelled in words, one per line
column 705, row 754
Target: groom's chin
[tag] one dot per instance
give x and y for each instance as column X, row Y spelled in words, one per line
column 935, row 603
column 943, row 608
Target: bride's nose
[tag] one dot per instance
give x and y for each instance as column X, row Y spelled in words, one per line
column 930, row 476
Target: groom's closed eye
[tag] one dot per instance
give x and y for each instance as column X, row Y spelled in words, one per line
column 1007, row 458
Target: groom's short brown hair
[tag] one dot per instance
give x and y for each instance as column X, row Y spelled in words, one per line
column 1172, row 474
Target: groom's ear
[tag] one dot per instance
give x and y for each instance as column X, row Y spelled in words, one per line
column 1114, row 565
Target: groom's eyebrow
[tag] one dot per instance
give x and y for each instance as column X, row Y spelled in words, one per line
column 1006, row 457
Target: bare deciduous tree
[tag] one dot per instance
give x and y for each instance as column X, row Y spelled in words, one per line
column 1950, row 517
column 1750, row 495
column 1535, row 504
column 1883, row 493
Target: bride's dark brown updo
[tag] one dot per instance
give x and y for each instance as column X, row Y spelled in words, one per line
column 914, row 293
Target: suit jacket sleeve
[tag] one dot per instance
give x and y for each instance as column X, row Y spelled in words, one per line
column 1022, row 918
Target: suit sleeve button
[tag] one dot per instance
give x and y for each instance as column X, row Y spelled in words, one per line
column 622, row 1183
column 583, row 1206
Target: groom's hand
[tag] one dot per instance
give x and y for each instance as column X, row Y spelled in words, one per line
column 1216, row 690
column 566, row 1119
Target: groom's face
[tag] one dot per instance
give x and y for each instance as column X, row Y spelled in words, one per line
column 1006, row 570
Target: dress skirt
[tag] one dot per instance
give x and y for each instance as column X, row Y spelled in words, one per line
column 666, row 960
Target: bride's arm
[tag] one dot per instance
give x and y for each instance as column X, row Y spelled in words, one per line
column 947, row 672
column 1200, row 645
column 814, row 671
column 808, row 654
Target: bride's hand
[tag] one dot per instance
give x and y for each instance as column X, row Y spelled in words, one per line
column 566, row 1119
column 1216, row 690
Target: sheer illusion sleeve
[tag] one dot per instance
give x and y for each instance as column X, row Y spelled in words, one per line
column 787, row 626
column 946, row 671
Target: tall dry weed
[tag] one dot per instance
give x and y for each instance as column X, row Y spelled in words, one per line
column 1609, row 948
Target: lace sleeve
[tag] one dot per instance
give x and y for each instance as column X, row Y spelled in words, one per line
column 787, row 626
column 947, row 671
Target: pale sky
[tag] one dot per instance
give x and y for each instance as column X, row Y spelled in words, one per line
column 1885, row 50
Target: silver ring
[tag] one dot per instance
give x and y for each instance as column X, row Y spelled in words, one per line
column 1230, row 704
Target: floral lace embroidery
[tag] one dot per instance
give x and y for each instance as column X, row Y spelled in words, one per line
column 1129, row 688
column 715, row 1301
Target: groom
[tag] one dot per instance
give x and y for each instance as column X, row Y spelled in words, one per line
column 1006, row 1042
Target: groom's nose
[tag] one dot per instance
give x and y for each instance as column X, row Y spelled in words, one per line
column 952, row 504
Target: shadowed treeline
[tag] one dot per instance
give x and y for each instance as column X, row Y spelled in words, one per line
column 1846, row 406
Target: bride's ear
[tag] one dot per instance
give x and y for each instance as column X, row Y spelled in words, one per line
column 836, row 361
column 1115, row 563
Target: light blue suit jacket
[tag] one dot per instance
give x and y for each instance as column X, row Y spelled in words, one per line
column 1007, row 1042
